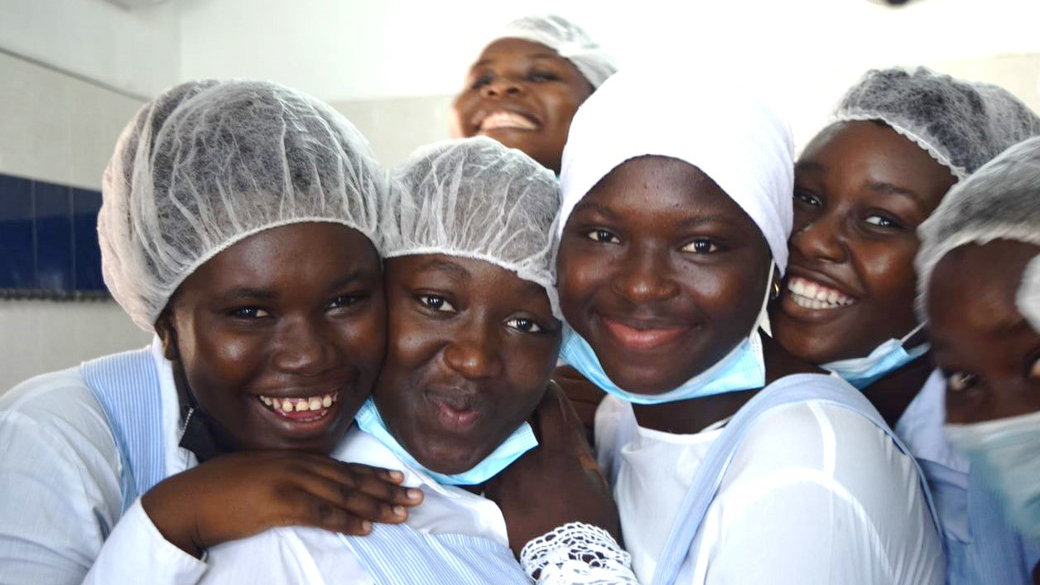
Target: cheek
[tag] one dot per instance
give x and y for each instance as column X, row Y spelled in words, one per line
column 887, row 272
column 220, row 365
column 528, row 371
column 581, row 273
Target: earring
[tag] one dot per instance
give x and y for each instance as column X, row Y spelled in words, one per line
column 776, row 290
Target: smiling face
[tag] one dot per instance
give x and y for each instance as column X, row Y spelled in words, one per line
column 524, row 95
column 987, row 350
column 661, row 272
column 472, row 348
column 280, row 337
column 861, row 190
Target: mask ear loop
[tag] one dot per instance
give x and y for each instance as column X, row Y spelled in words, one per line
column 772, row 291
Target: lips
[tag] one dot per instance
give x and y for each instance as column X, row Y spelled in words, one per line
column 638, row 335
column 814, row 295
column 454, row 409
column 503, row 119
column 300, row 409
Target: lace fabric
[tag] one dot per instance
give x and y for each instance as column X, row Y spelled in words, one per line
column 577, row 553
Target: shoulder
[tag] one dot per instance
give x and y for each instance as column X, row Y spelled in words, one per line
column 58, row 401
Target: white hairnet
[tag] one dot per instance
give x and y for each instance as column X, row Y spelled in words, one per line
column 475, row 198
column 999, row 201
column 567, row 39
column 209, row 163
column 960, row 124
column 730, row 133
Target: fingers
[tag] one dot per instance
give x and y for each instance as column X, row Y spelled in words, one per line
column 356, row 503
column 375, row 482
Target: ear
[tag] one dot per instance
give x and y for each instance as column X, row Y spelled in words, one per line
column 167, row 335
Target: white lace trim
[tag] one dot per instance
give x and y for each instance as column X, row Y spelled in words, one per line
column 574, row 554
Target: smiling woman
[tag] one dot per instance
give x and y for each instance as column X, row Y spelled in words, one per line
column 526, row 85
column 238, row 224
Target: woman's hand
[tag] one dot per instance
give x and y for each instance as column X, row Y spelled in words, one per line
column 241, row 494
column 557, row 482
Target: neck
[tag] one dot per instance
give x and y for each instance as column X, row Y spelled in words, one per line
column 693, row 416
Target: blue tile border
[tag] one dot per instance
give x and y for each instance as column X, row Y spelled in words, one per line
column 48, row 241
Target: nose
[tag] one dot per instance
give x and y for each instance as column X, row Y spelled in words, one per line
column 304, row 349
column 501, row 86
column 474, row 352
column 821, row 239
column 644, row 276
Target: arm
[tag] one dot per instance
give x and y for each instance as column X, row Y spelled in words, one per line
column 59, row 475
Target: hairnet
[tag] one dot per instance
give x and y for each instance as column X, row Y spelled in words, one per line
column 730, row 133
column 477, row 199
column 567, row 39
column 999, row 201
column 209, row 163
column 960, row 124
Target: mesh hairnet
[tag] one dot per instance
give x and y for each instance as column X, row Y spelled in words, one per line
column 475, row 198
column 732, row 134
column 999, row 201
column 209, row 163
column 567, row 39
column 960, row 124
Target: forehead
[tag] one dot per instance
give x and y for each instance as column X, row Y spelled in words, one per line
column 666, row 191
column 975, row 286
column 867, row 151
column 492, row 279
column 510, row 49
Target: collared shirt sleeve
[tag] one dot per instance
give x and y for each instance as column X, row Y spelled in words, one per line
column 59, row 475
column 136, row 548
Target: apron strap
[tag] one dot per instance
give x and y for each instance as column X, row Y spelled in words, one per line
column 792, row 389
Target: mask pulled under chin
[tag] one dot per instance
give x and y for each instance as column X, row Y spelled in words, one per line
column 1008, row 452
column 888, row 357
column 521, row 441
column 743, row 368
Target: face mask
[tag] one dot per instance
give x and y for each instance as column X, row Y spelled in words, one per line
column 521, row 441
column 1008, row 452
column 887, row 357
column 743, row 368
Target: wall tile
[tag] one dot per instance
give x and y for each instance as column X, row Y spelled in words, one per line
column 17, row 258
column 54, row 253
column 87, row 253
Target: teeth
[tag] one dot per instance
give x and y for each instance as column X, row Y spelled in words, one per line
column 506, row 120
column 312, row 403
column 813, row 295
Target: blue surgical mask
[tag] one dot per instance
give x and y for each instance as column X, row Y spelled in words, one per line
column 743, row 368
column 1008, row 452
column 887, row 357
column 521, row 441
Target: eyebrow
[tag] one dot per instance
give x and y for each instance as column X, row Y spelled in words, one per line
column 243, row 293
column 697, row 221
column 810, row 166
column 596, row 207
column 455, row 270
column 890, row 189
column 484, row 62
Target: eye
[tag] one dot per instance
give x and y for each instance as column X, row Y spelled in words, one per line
column 481, row 81
column 1034, row 372
column 524, row 324
column 602, row 237
column 436, row 302
column 807, row 198
column 960, row 381
column 701, row 246
column 882, row 222
column 541, row 76
column 249, row 313
column 344, row 301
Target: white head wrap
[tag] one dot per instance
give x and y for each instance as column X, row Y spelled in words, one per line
column 729, row 132
column 1001, row 200
column 961, row 124
column 476, row 198
column 567, row 39
column 207, row 164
